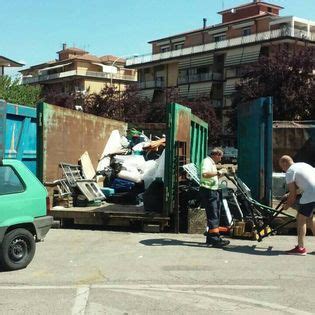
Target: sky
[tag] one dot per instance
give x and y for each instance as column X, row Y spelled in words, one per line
column 32, row 31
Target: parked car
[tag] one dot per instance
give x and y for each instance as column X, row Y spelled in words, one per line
column 23, row 214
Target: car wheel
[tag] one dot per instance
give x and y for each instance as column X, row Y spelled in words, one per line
column 17, row 249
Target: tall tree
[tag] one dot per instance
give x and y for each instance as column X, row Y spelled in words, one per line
column 288, row 77
column 12, row 91
column 202, row 108
column 111, row 103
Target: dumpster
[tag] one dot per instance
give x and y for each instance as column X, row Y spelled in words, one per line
column 64, row 134
column 18, row 133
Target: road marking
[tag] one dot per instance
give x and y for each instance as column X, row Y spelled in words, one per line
column 183, row 286
column 81, row 300
column 143, row 286
column 38, row 287
column 238, row 299
column 82, row 294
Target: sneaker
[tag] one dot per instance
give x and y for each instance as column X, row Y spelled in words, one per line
column 301, row 251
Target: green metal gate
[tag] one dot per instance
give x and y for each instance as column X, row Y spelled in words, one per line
column 187, row 142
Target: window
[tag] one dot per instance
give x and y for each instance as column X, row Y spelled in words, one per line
column 269, row 9
column 219, row 38
column 165, row 48
column 203, row 69
column 159, row 81
column 264, row 51
column 10, row 183
column 246, row 31
column 178, row 46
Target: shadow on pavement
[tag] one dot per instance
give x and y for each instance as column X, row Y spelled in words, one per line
column 171, row 242
column 246, row 249
column 254, row 250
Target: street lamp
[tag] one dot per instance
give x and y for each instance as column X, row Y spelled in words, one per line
column 113, row 64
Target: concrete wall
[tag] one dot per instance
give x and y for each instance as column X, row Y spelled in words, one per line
column 95, row 86
column 172, row 74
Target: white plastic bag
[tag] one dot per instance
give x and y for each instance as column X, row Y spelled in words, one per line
column 113, row 145
column 149, row 169
column 130, row 160
column 160, row 166
column 133, row 176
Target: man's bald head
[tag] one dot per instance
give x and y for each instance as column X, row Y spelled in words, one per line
column 285, row 162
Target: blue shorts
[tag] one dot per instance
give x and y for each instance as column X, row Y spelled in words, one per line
column 307, row 209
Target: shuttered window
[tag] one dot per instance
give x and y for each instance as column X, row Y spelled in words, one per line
column 195, row 90
column 229, row 86
column 196, row 61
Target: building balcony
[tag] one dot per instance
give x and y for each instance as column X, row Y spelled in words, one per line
column 208, row 76
column 154, row 84
column 238, row 41
column 81, row 73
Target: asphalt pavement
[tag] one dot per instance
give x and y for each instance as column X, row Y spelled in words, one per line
column 105, row 272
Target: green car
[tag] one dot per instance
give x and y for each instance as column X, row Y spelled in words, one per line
column 23, row 214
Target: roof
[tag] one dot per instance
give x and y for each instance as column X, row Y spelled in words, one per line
column 85, row 57
column 213, row 26
column 6, row 62
column 111, row 58
column 252, row 4
column 39, row 66
column 73, row 49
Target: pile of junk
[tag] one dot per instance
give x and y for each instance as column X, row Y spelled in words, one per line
column 130, row 172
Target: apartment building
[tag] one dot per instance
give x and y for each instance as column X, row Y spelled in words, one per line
column 8, row 63
column 209, row 61
column 78, row 71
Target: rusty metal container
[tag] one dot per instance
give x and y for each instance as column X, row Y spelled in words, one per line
column 64, row 135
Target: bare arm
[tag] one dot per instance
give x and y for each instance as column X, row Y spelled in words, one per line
column 209, row 174
column 219, row 173
column 291, row 196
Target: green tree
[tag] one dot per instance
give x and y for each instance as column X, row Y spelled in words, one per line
column 130, row 107
column 288, row 77
column 13, row 92
column 111, row 103
column 202, row 108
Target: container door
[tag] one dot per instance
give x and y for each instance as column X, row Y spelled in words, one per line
column 177, row 140
column 21, row 135
column 198, row 140
column 3, row 112
column 255, row 147
column 186, row 142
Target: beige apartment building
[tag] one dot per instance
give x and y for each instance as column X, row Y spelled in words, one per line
column 209, row 61
column 75, row 70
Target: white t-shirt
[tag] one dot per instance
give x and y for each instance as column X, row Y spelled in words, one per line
column 304, row 177
column 208, row 165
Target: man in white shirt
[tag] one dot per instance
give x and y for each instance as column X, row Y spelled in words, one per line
column 300, row 176
column 210, row 197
